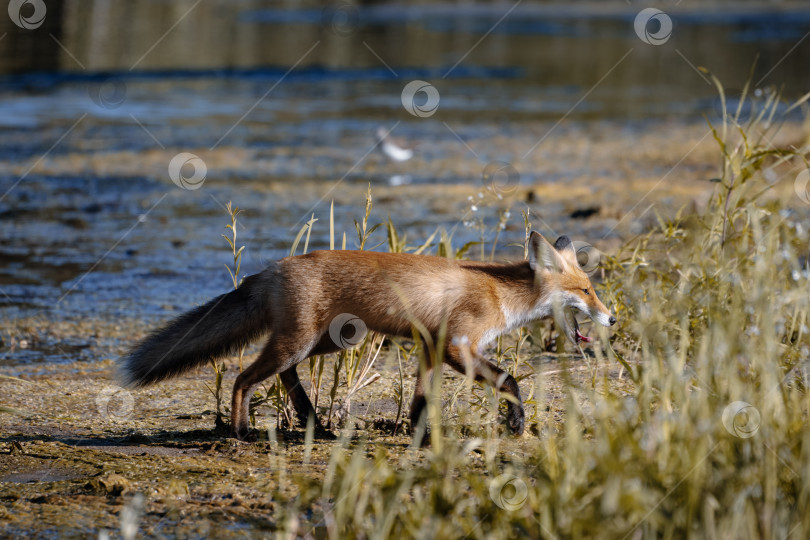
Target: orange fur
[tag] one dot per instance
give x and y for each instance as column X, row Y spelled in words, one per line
column 296, row 300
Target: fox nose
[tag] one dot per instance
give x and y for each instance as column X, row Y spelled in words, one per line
column 612, row 320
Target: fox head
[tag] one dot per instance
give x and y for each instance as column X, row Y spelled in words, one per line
column 565, row 285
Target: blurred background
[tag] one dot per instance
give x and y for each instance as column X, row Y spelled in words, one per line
column 593, row 113
column 534, row 52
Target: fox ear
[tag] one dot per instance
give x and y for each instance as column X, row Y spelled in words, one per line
column 565, row 247
column 562, row 243
column 543, row 255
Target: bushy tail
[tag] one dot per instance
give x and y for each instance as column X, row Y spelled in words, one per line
column 208, row 332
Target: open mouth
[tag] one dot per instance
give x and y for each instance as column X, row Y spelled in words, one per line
column 580, row 336
column 574, row 333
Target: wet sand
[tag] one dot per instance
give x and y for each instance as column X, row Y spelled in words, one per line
column 78, row 451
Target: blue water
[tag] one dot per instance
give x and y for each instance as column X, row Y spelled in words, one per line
column 92, row 228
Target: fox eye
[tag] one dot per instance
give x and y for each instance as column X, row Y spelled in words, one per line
column 586, row 291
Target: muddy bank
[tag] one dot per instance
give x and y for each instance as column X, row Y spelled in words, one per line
column 77, row 454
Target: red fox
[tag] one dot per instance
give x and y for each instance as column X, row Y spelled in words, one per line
column 296, row 299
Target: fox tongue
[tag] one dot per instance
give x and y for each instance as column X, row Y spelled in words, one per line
column 582, row 337
column 571, row 319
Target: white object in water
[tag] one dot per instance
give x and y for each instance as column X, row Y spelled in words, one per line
column 400, row 179
column 392, row 148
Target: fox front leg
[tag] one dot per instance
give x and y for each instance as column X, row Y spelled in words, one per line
column 483, row 371
column 418, row 414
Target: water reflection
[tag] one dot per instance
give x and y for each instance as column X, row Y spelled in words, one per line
column 549, row 46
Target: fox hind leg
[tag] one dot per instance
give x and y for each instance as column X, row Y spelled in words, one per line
column 300, row 400
column 303, row 406
column 278, row 356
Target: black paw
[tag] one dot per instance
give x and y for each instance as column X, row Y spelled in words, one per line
column 421, row 440
column 516, row 421
column 323, row 434
column 245, row 435
column 420, row 433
